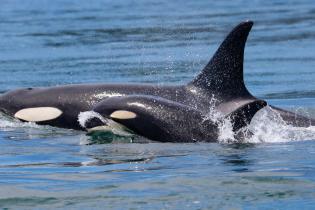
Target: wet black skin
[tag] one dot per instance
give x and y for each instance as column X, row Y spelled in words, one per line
column 160, row 119
column 184, row 107
column 165, row 120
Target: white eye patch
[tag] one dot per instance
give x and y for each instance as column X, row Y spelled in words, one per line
column 38, row 114
column 123, row 115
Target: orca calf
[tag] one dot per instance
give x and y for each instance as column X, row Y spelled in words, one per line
column 161, row 113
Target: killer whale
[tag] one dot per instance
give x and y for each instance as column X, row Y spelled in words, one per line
column 188, row 105
column 164, row 120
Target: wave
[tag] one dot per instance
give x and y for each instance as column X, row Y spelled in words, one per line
column 267, row 126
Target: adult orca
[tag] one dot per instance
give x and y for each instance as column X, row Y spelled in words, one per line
column 163, row 113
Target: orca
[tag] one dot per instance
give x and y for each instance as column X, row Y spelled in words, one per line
column 162, row 113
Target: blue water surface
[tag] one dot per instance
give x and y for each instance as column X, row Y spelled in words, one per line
column 48, row 43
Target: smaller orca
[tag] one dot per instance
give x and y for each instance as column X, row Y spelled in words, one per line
column 160, row 119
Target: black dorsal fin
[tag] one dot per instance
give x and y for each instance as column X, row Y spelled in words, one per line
column 224, row 72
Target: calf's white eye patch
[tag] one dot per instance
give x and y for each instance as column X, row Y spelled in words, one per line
column 38, row 114
column 123, row 115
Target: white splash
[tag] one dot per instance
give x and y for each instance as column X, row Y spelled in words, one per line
column 86, row 116
column 226, row 134
column 268, row 126
column 213, row 114
column 111, row 126
column 31, row 130
column 7, row 122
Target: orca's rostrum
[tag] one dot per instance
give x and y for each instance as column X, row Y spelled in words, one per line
column 161, row 113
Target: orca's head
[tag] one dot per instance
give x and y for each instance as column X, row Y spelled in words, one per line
column 154, row 118
column 12, row 101
column 29, row 105
column 143, row 115
column 131, row 117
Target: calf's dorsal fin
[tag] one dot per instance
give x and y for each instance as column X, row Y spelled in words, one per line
column 224, row 72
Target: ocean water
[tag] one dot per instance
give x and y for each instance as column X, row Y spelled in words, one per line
column 48, row 43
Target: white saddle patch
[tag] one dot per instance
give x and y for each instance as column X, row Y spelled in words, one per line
column 38, row 114
column 123, row 115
